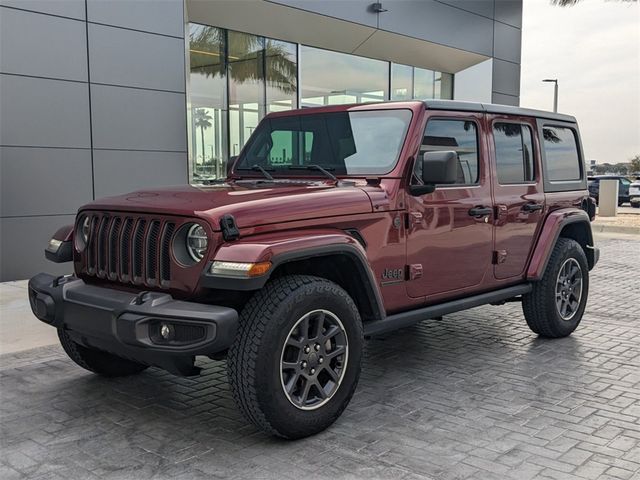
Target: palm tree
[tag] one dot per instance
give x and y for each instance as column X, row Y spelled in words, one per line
column 202, row 120
column 207, row 54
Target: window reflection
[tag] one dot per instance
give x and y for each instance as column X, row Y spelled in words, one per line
column 331, row 78
column 246, row 87
column 207, row 94
column 281, row 71
column 235, row 78
column 423, row 83
column 401, row 82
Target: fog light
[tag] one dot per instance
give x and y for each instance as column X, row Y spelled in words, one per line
column 166, row 331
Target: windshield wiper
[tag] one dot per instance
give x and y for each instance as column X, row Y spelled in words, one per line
column 326, row 172
column 256, row 167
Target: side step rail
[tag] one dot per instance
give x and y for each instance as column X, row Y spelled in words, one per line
column 406, row 319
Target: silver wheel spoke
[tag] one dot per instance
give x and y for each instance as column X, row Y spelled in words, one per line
column 336, row 352
column 319, row 326
column 290, row 365
column 320, row 390
column 332, row 373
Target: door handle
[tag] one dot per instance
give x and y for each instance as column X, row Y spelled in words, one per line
column 532, row 207
column 480, row 211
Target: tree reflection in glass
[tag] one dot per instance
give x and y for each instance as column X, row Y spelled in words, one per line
column 262, row 77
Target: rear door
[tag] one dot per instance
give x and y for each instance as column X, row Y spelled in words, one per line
column 518, row 193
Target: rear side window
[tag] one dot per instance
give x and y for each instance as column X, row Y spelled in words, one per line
column 561, row 152
column 461, row 136
column 514, row 153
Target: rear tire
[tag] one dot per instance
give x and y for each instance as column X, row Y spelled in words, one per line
column 555, row 306
column 97, row 361
column 295, row 362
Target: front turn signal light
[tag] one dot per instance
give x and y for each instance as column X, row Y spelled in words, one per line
column 239, row 269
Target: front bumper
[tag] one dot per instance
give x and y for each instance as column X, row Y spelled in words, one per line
column 131, row 325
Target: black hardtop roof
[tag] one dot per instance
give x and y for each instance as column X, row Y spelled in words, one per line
column 457, row 105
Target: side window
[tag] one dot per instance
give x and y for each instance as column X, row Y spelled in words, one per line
column 460, row 136
column 514, row 153
column 561, row 152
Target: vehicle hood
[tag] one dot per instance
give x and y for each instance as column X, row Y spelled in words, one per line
column 251, row 203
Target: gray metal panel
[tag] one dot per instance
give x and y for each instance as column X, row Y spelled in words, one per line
column 165, row 17
column 22, row 244
column 509, row 11
column 507, row 42
column 499, row 98
column 120, row 172
column 506, row 77
column 357, row 11
column 42, row 45
column 125, row 57
column 43, row 112
column 64, row 8
column 134, row 119
column 481, row 7
column 440, row 23
column 43, row 181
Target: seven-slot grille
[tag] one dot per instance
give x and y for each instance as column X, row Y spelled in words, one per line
column 130, row 249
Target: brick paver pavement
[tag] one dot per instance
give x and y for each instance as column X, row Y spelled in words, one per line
column 475, row 395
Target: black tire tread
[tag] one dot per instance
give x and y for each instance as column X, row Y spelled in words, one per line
column 536, row 303
column 96, row 361
column 243, row 354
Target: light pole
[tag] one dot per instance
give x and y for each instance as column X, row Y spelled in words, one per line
column 555, row 92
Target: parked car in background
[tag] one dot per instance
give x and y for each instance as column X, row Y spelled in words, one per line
column 634, row 194
column 623, row 188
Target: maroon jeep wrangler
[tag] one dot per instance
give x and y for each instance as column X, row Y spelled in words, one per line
column 334, row 224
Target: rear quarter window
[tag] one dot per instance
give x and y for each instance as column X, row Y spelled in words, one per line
column 562, row 157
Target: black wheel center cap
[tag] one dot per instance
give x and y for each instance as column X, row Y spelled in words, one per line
column 313, row 360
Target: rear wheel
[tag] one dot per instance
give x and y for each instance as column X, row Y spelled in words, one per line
column 295, row 363
column 97, row 361
column 555, row 306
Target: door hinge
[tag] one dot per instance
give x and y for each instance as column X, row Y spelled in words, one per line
column 415, row 271
column 499, row 256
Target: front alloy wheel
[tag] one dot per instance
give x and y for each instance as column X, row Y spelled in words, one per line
column 295, row 362
column 314, row 359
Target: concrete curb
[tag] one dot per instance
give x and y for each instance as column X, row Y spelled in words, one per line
column 601, row 228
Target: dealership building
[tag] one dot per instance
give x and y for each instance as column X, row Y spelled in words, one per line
column 102, row 97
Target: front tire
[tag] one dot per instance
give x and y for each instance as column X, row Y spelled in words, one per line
column 555, row 306
column 97, row 361
column 295, row 363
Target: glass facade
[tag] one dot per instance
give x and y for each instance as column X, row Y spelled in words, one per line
column 235, row 79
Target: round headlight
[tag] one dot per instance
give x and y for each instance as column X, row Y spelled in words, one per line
column 82, row 233
column 197, row 242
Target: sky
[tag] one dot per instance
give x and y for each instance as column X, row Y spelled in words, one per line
column 593, row 49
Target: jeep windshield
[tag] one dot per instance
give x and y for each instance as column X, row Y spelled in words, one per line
column 366, row 142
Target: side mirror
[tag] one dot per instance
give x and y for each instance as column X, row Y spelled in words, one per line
column 230, row 164
column 437, row 168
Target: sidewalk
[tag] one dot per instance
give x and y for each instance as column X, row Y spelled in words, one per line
column 627, row 221
column 19, row 328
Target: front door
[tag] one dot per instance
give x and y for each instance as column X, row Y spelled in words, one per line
column 517, row 192
column 449, row 231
